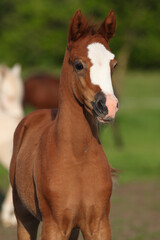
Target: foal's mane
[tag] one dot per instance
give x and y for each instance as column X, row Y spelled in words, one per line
column 91, row 28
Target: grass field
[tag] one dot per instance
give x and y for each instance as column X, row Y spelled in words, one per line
column 139, row 123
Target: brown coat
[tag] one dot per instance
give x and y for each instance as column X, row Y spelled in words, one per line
column 59, row 171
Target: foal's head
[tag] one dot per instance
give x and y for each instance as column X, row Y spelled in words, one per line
column 11, row 91
column 93, row 63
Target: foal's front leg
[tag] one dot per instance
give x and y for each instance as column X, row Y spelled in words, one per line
column 101, row 231
column 52, row 231
column 27, row 224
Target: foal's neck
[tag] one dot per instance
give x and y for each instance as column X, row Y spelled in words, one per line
column 73, row 123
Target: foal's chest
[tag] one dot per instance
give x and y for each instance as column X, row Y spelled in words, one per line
column 80, row 185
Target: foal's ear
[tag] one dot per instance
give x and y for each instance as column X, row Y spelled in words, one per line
column 77, row 26
column 108, row 27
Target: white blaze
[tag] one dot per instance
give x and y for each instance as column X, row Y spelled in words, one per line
column 100, row 72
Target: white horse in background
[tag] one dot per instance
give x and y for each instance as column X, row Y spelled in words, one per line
column 11, row 112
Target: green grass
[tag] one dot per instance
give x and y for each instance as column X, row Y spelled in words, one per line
column 139, row 123
column 4, row 179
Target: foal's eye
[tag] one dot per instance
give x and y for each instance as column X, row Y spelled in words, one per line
column 78, row 66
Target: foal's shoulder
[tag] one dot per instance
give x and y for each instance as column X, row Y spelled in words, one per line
column 36, row 121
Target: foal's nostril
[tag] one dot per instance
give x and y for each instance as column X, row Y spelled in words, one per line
column 101, row 104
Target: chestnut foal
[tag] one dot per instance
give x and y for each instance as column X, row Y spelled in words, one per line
column 59, row 172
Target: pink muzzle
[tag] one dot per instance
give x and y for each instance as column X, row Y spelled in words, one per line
column 105, row 107
column 112, row 106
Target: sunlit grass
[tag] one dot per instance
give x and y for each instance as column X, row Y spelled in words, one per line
column 139, row 124
column 4, row 179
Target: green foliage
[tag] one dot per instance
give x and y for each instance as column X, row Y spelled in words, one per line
column 34, row 32
column 138, row 118
column 4, row 179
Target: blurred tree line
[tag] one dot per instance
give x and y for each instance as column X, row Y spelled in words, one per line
column 34, row 32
